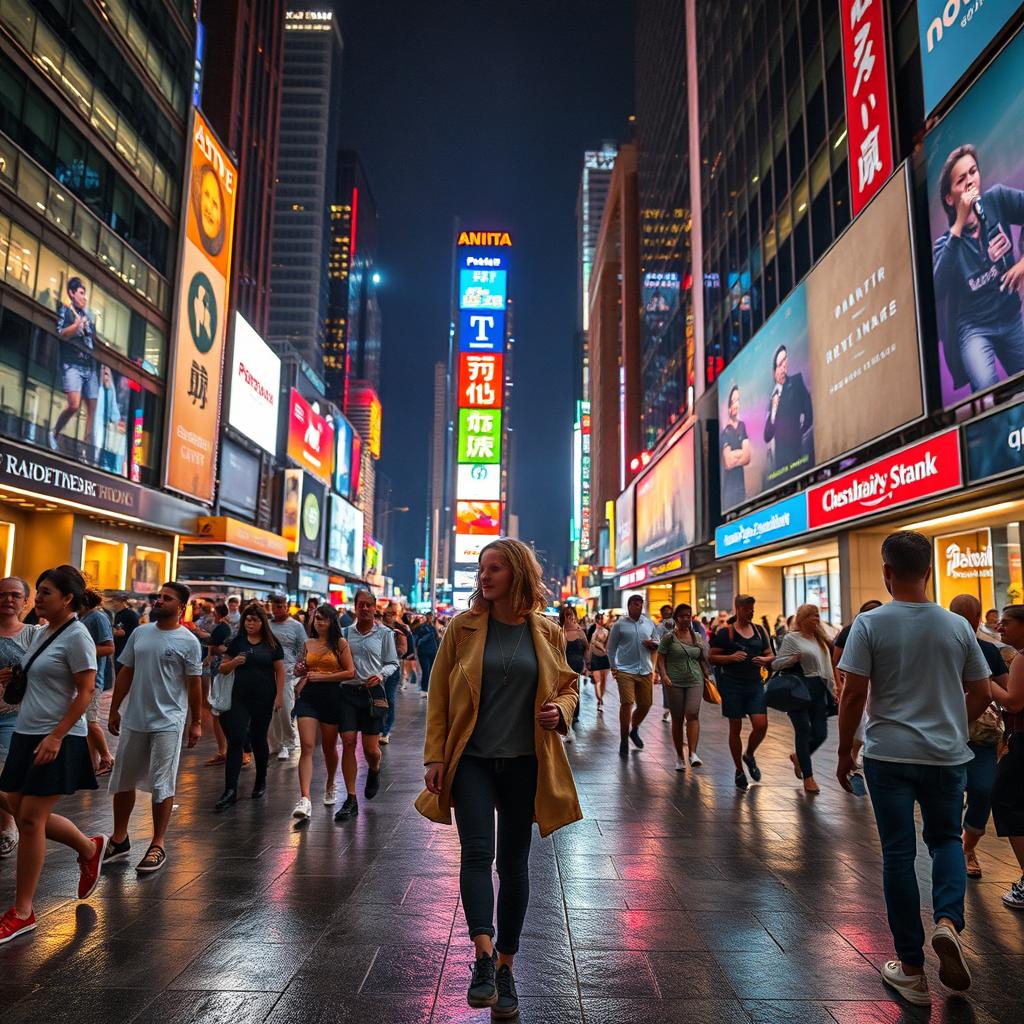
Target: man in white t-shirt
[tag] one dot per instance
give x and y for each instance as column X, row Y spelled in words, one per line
column 161, row 677
column 923, row 677
column 292, row 638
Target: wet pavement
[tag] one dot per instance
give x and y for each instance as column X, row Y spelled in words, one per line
column 678, row 898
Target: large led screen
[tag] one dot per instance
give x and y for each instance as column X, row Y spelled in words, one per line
column 478, row 482
column 665, row 504
column 254, row 407
column 837, row 365
column 480, row 436
column 478, row 517
column 345, row 537
column 975, row 159
column 624, row 530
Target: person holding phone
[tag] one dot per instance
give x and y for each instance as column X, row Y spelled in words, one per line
column 257, row 660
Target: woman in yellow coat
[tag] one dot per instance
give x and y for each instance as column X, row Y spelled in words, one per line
column 500, row 694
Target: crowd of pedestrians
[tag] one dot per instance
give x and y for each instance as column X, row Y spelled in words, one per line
column 930, row 705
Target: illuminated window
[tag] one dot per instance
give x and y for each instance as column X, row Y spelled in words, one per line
column 149, row 568
column 104, row 562
column 6, row 547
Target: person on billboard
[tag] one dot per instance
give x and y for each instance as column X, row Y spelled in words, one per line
column 735, row 444
column 790, row 417
column 977, row 281
column 208, row 207
column 76, row 329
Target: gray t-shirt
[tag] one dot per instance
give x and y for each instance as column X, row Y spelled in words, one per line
column 917, row 657
column 51, row 688
column 98, row 623
column 292, row 638
column 504, row 722
column 162, row 660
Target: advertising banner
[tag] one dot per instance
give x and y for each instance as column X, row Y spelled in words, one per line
column 239, row 479
column 481, row 331
column 953, row 34
column 665, row 520
column 480, row 518
column 292, row 507
column 482, row 289
column 365, row 397
column 343, row 435
column 254, row 405
column 374, row 555
column 923, row 470
column 465, row 579
column 478, row 482
column 200, row 321
column 624, row 530
column 481, row 385
column 480, row 436
column 345, row 539
column 868, row 121
column 963, row 565
column 975, row 161
column 844, row 341
column 469, row 546
column 310, row 438
column 312, row 518
column 995, row 444
column 233, row 533
column 777, row 522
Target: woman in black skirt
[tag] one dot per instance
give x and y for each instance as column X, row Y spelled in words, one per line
column 257, row 660
column 49, row 756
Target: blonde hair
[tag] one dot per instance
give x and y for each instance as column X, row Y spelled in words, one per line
column 802, row 613
column 528, row 593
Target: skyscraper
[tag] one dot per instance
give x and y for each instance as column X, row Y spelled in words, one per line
column 305, row 178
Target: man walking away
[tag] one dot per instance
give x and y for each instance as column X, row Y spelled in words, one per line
column 631, row 644
column 912, row 662
column 292, row 638
column 161, row 676
column 126, row 621
column 427, row 644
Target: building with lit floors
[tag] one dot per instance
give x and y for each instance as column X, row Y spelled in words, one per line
column 91, row 170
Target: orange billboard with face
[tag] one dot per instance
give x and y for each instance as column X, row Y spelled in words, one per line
column 200, row 323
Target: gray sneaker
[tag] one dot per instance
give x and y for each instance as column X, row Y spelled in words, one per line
column 8, row 843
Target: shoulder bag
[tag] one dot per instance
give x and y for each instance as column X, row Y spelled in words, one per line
column 15, row 691
column 222, row 687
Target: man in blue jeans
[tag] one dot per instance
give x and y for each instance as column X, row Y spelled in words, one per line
column 924, row 678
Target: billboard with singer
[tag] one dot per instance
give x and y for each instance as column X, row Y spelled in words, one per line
column 837, row 365
column 975, row 160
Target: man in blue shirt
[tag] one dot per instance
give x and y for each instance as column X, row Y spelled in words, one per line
column 912, row 662
column 631, row 643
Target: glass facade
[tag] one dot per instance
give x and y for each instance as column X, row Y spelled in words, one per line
column 814, row 583
column 774, row 174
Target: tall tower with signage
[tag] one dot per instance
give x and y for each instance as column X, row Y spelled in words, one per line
column 481, row 339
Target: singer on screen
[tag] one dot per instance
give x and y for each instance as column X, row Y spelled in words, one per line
column 977, row 280
column 789, row 420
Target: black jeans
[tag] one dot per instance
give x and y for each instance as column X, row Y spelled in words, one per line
column 252, row 707
column 810, row 727
column 481, row 787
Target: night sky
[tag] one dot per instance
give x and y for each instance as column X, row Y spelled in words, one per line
column 483, row 110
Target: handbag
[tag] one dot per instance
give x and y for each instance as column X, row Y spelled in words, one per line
column 221, row 688
column 987, row 729
column 711, row 694
column 14, row 692
column 787, row 691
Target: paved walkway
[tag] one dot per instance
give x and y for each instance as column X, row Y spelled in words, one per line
column 677, row 899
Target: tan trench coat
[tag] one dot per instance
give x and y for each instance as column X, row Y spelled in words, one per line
column 455, row 700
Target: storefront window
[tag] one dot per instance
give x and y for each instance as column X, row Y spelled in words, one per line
column 57, row 395
column 814, row 583
column 6, row 547
column 149, row 568
column 104, row 562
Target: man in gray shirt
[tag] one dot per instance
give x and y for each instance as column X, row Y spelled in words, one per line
column 292, row 638
column 924, row 678
column 631, row 643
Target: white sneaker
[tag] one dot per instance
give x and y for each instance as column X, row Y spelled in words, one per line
column 283, row 755
column 303, row 809
column 666, row 716
column 51, row 440
column 330, row 796
column 912, row 987
column 680, row 765
column 570, row 736
column 695, row 761
column 424, row 694
column 1014, row 897
column 953, row 970
column 8, row 843
column 385, row 738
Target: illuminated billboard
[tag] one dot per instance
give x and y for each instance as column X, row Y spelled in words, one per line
column 200, row 322
column 479, row 436
column 482, row 289
column 310, row 438
column 481, row 331
column 478, row 518
column 480, row 381
column 478, row 482
column 254, row 406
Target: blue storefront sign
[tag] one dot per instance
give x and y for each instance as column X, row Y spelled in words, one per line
column 995, row 444
column 776, row 522
column 953, row 33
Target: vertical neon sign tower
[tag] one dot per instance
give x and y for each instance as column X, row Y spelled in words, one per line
column 479, row 342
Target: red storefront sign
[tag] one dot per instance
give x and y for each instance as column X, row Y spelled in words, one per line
column 921, row 471
column 481, row 385
column 868, row 120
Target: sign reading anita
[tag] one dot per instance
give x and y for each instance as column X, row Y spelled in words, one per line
column 921, row 471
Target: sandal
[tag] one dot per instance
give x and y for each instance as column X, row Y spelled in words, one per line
column 153, row 861
column 973, row 867
column 105, row 768
column 216, row 759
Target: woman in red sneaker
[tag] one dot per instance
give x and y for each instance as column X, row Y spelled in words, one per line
column 49, row 756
